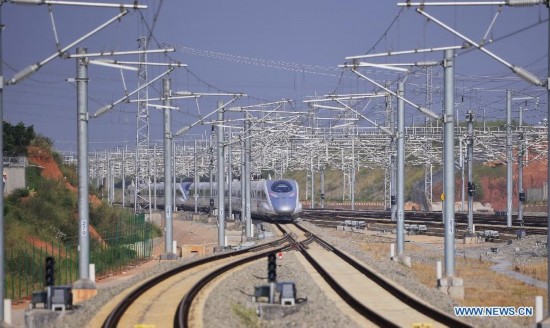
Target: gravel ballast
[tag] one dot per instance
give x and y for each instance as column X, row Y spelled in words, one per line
column 238, row 288
column 230, row 303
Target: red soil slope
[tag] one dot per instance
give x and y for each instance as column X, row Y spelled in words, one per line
column 50, row 170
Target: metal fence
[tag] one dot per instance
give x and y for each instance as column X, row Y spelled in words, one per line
column 127, row 243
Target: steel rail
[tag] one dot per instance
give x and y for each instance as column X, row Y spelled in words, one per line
column 348, row 298
column 529, row 221
column 114, row 317
column 421, row 307
column 181, row 317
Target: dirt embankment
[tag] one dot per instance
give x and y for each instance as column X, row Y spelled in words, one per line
column 494, row 189
column 50, row 170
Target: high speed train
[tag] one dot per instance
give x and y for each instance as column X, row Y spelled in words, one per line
column 269, row 199
column 157, row 193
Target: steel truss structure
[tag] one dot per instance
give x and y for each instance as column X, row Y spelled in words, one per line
column 316, row 148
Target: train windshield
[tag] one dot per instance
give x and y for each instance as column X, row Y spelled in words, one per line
column 281, row 186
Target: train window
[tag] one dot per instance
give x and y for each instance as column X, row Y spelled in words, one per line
column 281, row 186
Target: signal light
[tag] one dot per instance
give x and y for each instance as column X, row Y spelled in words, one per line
column 272, row 267
column 471, row 189
column 49, row 271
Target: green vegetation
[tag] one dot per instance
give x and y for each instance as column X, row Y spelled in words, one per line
column 248, row 317
column 370, row 182
column 17, row 138
column 42, row 220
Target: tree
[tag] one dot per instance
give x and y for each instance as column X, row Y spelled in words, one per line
column 17, row 138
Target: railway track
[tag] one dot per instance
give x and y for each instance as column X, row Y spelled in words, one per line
column 183, row 316
column 157, row 300
column 334, row 217
column 375, row 298
column 176, row 298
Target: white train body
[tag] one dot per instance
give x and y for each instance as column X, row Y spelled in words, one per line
column 272, row 199
column 157, row 194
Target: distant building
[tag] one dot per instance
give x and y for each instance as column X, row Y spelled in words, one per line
column 14, row 173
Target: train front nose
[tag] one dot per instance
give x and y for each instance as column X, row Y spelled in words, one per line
column 284, row 207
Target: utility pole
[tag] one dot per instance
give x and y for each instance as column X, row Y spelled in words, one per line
column 400, row 170
column 509, row 160
column 548, row 166
column 462, row 159
column 248, row 149
column 243, row 184
column 83, row 288
column 195, row 178
column 521, row 194
column 393, row 167
column 229, row 178
column 352, row 190
column 450, row 284
column 123, row 177
column 428, row 145
column 220, row 178
column 322, row 188
column 312, row 184
column 169, row 252
column 471, row 185
column 2, row 268
column 174, row 175
column 211, row 173
column 155, row 175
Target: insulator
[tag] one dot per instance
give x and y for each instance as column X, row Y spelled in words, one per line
column 427, row 63
column 23, row 74
column 527, row 76
column 523, row 3
column 103, row 110
column 28, row 2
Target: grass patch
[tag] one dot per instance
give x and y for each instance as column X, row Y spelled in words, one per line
column 377, row 250
column 484, row 287
column 536, row 270
column 248, row 317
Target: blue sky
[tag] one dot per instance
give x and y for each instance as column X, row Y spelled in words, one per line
column 267, row 49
